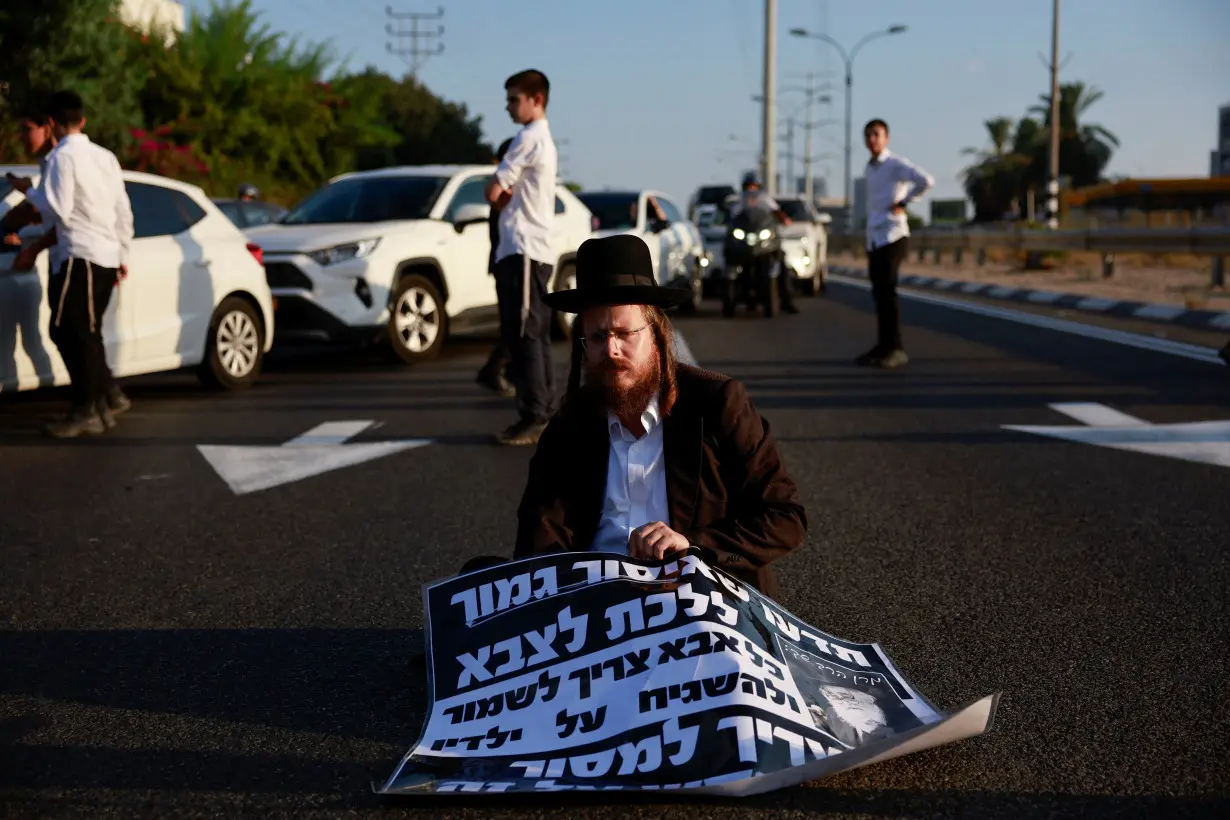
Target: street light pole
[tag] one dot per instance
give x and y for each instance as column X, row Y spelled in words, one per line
column 809, row 192
column 848, row 59
column 1052, row 185
column 770, row 96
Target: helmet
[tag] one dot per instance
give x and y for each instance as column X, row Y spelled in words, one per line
column 751, row 178
column 247, row 189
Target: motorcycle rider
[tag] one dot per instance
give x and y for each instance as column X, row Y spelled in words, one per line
column 758, row 204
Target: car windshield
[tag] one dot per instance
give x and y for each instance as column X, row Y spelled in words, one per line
column 714, row 195
column 796, row 209
column 231, row 208
column 368, row 199
column 613, row 211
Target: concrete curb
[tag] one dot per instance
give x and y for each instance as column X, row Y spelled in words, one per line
column 1170, row 314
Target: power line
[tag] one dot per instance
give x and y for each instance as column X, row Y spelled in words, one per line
column 416, row 52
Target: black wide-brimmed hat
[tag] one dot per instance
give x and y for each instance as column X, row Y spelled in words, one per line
column 615, row 270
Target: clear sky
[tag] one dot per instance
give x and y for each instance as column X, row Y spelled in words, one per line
column 647, row 93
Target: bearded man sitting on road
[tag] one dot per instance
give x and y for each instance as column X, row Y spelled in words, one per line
column 648, row 456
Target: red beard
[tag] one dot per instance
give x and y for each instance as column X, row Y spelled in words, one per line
column 626, row 399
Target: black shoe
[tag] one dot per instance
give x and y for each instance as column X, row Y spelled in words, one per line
column 1225, row 354
column 496, row 383
column 80, row 422
column 117, row 402
column 892, row 359
column 522, row 433
column 105, row 414
column 869, row 358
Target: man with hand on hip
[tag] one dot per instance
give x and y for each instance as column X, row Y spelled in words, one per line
column 893, row 182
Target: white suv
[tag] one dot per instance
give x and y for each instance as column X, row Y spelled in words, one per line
column 195, row 295
column 398, row 254
column 805, row 243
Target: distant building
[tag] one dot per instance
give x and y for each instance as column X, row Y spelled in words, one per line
column 819, row 186
column 144, row 14
column 860, row 201
column 1220, row 159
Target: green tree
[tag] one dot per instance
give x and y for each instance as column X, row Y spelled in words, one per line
column 1017, row 159
column 77, row 44
column 993, row 181
column 430, row 130
column 1085, row 149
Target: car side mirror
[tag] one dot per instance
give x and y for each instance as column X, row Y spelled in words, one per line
column 824, row 219
column 470, row 214
column 659, row 225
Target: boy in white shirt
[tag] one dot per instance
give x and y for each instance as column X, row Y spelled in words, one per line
column 893, row 182
column 82, row 195
column 525, row 258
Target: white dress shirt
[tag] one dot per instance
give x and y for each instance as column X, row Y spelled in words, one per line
column 635, row 482
column 891, row 181
column 758, row 204
column 83, row 194
column 529, row 170
column 55, row 258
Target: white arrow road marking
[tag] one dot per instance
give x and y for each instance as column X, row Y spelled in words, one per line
column 1203, row 442
column 247, row 469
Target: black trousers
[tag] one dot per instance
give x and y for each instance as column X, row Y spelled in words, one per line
column 525, row 328
column 882, row 266
column 76, row 327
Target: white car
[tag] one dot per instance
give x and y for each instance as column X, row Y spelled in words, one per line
column 398, row 254
column 805, row 243
column 195, row 295
column 675, row 245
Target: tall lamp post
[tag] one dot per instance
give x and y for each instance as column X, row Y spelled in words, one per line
column 848, row 59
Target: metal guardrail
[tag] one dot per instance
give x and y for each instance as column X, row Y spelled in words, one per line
column 1212, row 242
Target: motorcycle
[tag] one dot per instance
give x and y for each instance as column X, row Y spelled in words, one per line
column 752, row 262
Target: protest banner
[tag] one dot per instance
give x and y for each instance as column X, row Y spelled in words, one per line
column 591, row 671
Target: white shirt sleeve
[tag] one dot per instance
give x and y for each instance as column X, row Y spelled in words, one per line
column 520, row 154
column 770, row 203
column 920, row 181
column 55, row 194
column 123, row 214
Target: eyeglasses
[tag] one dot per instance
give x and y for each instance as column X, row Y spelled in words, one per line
column 624, row 339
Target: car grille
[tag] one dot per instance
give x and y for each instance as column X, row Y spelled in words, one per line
column 286, row 275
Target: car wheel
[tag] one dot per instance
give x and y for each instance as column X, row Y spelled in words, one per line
column 234, row 348
column 822, row 272
column 416, row 327
column 565, row 279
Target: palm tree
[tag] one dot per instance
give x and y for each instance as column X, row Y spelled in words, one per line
column 1084, row 149
column 993, row 182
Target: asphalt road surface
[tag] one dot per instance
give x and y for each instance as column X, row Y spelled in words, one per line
column 169, row 648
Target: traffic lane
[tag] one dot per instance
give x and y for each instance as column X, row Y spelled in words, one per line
column 195, row 649
column 142, row 503
column 986, row 559
column 336, row 691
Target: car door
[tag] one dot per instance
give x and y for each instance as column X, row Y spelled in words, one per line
column 168, row 293
column 657, row 240
column 469, row 283
column 681, row 241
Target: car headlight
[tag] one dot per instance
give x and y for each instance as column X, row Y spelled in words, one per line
column 737, row 233
column 344, row 253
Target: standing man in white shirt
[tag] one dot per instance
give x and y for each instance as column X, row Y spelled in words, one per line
column 893, row 182
column 525, row 258
column 82, row 195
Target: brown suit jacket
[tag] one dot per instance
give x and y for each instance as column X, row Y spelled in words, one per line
column 726, row 486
